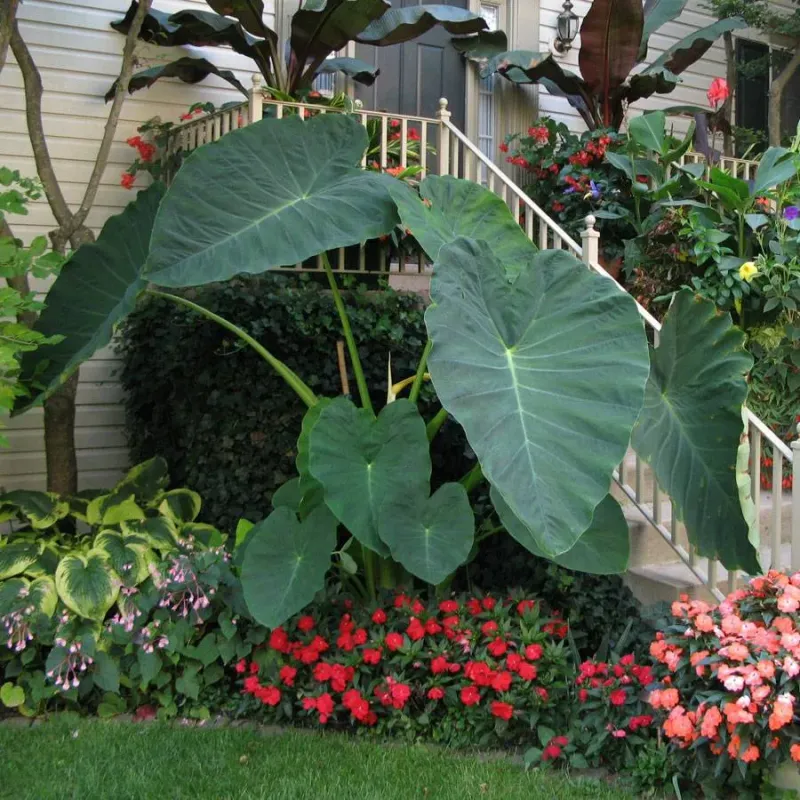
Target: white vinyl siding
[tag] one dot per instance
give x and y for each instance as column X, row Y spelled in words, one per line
column 79, row 56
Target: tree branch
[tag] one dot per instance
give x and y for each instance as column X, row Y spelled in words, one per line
column 776, row 97
column 33, row 115
column 126, row 70
column 8, row 13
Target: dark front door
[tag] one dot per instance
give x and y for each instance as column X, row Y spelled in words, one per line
column 416, row 74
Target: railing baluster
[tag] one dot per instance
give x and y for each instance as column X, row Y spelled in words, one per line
column 384, row 142
column 363, row 119
column 542, row 235
column 404, row 143
column 673, row 521
column 796, row 502
column 454, row 151
column 777, row 508
column 279, row 111
column 713, row 579
column 639, row 478
column 755, row 467
column 423, row 149
column 515, row 207
column 529, row 223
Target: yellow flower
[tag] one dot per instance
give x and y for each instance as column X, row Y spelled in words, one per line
column 748, row 271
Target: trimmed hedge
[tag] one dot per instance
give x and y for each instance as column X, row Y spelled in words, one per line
column 224, row 421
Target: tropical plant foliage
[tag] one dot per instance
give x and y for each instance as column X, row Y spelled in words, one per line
column 615, row 36
column 319, row 28
column 544, row 364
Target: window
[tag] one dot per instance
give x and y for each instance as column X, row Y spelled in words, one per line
column 486, row 107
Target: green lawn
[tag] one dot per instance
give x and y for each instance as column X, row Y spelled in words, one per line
column 93, row 760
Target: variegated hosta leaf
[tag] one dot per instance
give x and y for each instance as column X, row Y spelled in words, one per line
column 146, row 480
column 16, row 557
column 180, row 505
column 17, row 594
column 160, row 533
column 131, row 560
column 87, row 584
column 114, row 508
column 41, row 509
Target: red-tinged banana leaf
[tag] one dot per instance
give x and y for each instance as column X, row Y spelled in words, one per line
column 481, row 45
column 249, row 12
column 656, row 14
column 400, row 25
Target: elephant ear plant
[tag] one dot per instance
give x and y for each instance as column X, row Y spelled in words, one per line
column 544, row 363
column 615, row 36
column 319, row 28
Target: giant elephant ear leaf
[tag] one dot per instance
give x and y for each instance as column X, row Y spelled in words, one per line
column 447, row 208
column 602, row 549
column 690, row 426
column 305, row 193
column 362, row 462
column 87, row 584
column 545, row 375
column 95, row 290
column 400, row 25
column 431, row 537
column 285, row 562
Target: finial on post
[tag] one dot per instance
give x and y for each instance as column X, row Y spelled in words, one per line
column 443, row 113
column 256, row 79
column 590, row 238
column 256, row 99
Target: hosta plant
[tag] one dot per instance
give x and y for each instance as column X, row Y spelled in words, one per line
column 119, row 600
column 544, row 364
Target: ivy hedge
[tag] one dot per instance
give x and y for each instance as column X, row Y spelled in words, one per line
column 224, row 421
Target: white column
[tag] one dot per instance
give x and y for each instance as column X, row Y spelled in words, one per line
column 590, row 239
column 443, row 115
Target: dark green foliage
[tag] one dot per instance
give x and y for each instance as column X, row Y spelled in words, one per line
column 596, row 605
column 224, row 421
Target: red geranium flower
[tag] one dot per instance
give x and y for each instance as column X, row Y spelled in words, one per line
column 279, row 640
column 470, row 696
column 497, row 648
column 372, row 656
column 415, row 630
column 448, row 606
column 379, row 616
column 488, row 628
column 439, row 665
column 435, row 693
column 269, row 695
column 527, row 672
column 525, row 605
column 127, row 180
column 305, row 623
column 488, row 603
column 394, row 641
column 241, row 666
column 501, row 710
column 251, row 684
column 474, row 606
column 502, row 681
column 617, row 697
column 432, row 627
column 583, row 695
column 322, row 672
column 513, row 661
column 287, row 675
column 533, row 652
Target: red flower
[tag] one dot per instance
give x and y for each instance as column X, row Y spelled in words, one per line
column 479, row 672
column 394, row 123
column 417, row 607
column 533, row 652
column 134, row 141
column 401, row 600
column 551, row 752
column 287, row 675
column 432, row 627
column 435, row 693
column 146, row 151
column 346, row 642
column 501, row 682
column 394, row 641
column 627, row 660
column 488, row 603
column 503, row 148
column 127, row 180
column 559, row 741
column 413, row 135
column 513, row 661
column 379, row 616
column 527, row 672
column 470, row 696
column 415, row 630
column 305, row 624
column 309, row 703
column 279, row 640
column 325, row 704
column 269, row 695
column 497, row 648
column 448, row 606
column 525, row 605
column 501, row 710
column 542, row 692
column 251, row 685
column 400, row 693
column 241, row 666
column 253, row 668
column 322, row 672
column 474, row 606
column 350, row 698
column 360, row 636
column 372, row 656
column 439, row 665
column 346, row 624
column 186, row 116
column 488, row 628
column 558, row 206
column 583, row 695
column 340, row 677
column 718, row 92
column 640, row 722
column 450, row 622
column 618, row 697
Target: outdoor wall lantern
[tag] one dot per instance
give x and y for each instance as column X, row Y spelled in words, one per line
column 566, row 28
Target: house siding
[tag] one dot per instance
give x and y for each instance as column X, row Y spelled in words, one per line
column 78, row 55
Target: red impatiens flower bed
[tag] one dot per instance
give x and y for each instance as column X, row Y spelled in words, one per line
column 461, row 668
column 476, row 671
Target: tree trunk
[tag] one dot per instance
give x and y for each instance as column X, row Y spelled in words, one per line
column 8, row 13
column 727, row 106
column 59, row 439
column 776, row 97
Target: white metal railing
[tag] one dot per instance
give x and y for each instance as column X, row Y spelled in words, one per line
column 743, row 168
column 441, row 148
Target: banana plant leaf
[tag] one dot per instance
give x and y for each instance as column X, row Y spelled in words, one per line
column 690, row 426
column 611, row 34
column 446, row 208
column 283, row 191
column 189, row 70
column 481, row 45
column 94, row 291
column 545, row 375
column 322, row 27
column 250, row 14
column 360, row 71
column 602, row 549
column 400, row 25
column 646, row 84
column 156, row 26
column 694, row 46
column 656, row 14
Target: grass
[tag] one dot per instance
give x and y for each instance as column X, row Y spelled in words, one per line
column 71, row 758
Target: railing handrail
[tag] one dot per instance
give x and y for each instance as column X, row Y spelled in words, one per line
column 206, row 117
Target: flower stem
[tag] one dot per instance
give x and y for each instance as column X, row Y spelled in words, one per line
column 363, row 392
column 472, row 478
column 291, row 378
column 418, row 378
column 433, row 426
